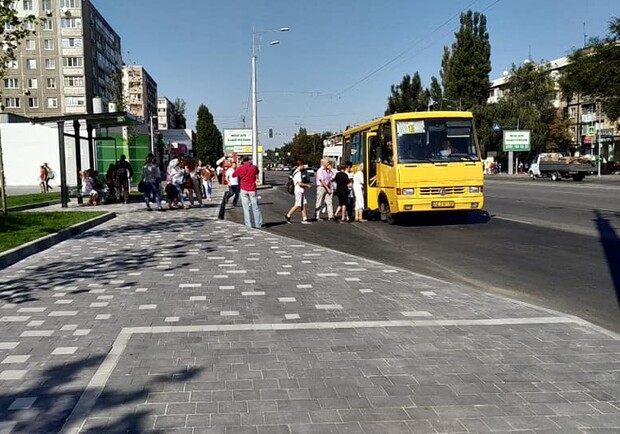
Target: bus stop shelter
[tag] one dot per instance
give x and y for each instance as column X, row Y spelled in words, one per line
column 90, row 122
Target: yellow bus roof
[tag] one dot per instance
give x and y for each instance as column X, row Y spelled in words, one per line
column 408, row 116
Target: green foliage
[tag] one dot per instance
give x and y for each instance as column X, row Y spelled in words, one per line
column 527, row 104
column 304, row 146
column 435, row 92
column 408, row 96
column 209, row 143
column 558, row 137
column 466, row 66
column 594, row 72
column 21, row 227
column 179, row 106
column 29, row 199
column 12, row 32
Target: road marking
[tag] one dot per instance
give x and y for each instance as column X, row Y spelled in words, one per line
column 97, row 383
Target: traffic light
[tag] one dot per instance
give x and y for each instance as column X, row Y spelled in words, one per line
column 271, row 133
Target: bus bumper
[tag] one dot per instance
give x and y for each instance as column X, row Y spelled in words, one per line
column 465, row 203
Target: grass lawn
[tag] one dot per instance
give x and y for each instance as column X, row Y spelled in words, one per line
column 27, row 199
column 17, row 228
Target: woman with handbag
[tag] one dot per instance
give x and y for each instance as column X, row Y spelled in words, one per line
column 192, row 182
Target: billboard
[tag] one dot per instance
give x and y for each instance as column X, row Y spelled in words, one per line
column 237, row 138
column 518, row 140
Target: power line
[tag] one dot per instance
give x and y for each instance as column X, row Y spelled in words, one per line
column 402, row 53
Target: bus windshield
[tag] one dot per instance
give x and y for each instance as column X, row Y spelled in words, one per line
column 436, row 140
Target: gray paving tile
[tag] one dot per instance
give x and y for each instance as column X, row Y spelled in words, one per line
column 476, row 377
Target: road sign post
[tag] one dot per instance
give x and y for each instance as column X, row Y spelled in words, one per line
column 603, row 135
column 515, row 141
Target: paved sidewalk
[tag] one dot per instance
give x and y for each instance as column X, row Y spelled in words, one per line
column 179, row 322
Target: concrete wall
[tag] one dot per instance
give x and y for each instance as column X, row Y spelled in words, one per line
column 26, row 147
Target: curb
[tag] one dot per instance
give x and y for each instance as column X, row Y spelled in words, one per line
column 12, row 256
column 33, row 206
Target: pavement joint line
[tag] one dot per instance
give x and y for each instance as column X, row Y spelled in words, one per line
column 98, row 381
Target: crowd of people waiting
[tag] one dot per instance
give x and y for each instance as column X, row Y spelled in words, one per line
column 348, row 187
column 184, row 182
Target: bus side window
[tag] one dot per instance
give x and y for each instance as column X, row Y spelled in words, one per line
column 386, row 150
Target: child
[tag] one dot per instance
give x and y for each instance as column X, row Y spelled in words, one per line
column 87, row 187
column 42, row 179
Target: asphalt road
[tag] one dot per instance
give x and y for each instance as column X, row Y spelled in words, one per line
column 555, row 245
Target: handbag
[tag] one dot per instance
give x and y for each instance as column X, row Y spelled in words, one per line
column 141, row 186
column 188, row 183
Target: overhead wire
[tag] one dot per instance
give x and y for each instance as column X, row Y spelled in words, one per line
column 402, row 53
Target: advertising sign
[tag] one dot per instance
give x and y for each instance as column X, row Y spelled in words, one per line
column 238, row 137
column 516, row 140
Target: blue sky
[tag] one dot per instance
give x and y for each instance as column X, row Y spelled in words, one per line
column 199, row 50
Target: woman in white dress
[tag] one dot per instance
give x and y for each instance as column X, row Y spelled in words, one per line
column 358, row 191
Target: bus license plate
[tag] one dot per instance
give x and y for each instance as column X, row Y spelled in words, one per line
column 443, row 204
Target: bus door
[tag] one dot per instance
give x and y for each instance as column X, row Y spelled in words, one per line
column 371, row 171
column 386, row 174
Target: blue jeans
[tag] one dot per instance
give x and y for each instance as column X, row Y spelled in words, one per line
column 233, row 190
column 151, row 188
column 249, row 198
column 179, row 188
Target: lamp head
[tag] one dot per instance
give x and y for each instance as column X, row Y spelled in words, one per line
column 284, row 29
column 274, row 42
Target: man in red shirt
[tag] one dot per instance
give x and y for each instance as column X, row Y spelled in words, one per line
column 247, row 174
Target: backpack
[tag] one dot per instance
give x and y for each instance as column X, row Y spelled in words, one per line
column 51, row 174
column 121, row 172
column 97, row 185
column 290, row 185
column 305, row 178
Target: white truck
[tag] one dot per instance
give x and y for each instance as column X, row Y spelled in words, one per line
column 556, row 166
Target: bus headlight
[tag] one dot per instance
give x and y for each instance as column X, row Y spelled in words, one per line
column 475, row 189
column 408, row 191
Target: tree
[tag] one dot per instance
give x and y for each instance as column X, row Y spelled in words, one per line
column 209, row 141
column 305, row 147
column 408, row 96
column 435, row 92
column 594, row 72
column 527, row 104
column 558, row 137
column 466, row 66
column 12, row 31
column 179, row 106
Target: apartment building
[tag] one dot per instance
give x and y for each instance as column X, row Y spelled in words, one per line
column 73, row 56
column 581, row 112
column 165, row 114
column 139, row 92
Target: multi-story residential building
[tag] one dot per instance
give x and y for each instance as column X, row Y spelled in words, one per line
column 581, row 112
column 74, row 56
column 139, row 92
column 165, row 114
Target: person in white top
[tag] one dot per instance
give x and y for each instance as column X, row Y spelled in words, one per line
column 233, row 184
column 300, row 195
column 358, row 191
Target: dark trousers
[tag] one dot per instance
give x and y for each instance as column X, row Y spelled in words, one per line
column 233, row 190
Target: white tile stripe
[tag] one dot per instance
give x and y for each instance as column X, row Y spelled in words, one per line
column 97, row 383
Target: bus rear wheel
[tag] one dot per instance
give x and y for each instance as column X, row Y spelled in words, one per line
column 386, row 215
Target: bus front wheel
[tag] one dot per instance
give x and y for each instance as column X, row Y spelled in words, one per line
column 386, row 215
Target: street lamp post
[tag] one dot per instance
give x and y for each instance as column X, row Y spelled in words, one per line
column 255, row 93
